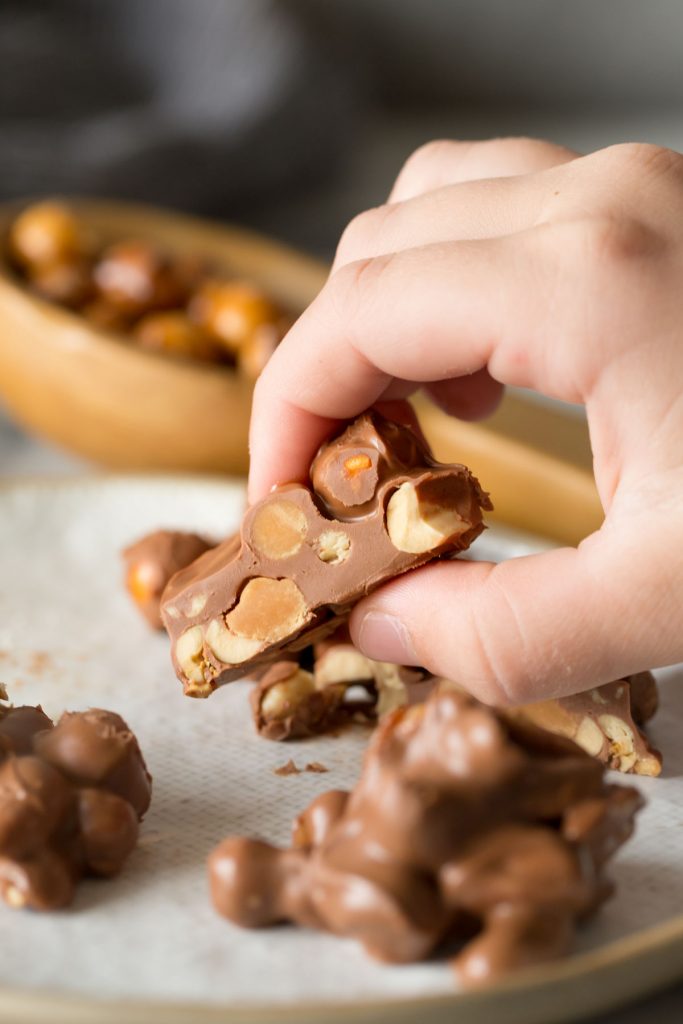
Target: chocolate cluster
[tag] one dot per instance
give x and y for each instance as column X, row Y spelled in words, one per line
column 466, row 829
column 151, row 561
column 378, row 504
column 173, row 304
column 71, row 797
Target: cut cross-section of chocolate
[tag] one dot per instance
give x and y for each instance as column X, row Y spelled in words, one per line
column 377, row 505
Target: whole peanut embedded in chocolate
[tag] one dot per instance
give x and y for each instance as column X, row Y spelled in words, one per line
column 71, row 798
column 377, row 506
column 151, row 562
column 464, row 825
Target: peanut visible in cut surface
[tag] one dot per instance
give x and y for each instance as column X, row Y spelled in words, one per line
column 188, row 652
column 268, row 610
column 227, row 646
column 334, row 546
column 282, row 699
column 278, row 529
column 621, row 741
column 420, row 518
column 589, row 736
column 342, row 664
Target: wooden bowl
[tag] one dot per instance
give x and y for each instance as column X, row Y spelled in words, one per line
column 96, row 393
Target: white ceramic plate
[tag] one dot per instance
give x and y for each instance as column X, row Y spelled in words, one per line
column 147, row 947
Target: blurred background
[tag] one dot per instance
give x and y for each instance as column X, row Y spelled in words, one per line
column 290, row 116
column 294, row 115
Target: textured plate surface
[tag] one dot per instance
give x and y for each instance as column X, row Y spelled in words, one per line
column 70, row 639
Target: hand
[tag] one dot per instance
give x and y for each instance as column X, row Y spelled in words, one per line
column 512, row 262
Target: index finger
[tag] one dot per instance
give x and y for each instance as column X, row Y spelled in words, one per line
column 421, row 315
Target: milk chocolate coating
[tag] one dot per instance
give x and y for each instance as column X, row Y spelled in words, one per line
column 338, row 662
column 644, row 696
column 96, row 748
column 311, row 714
column 464, row 825
column 374, row 456
column 152, row 561
column 313, row 825
column 338, row 669
column 604, row 721
column 18, row 726
column 71, row 796
column 312, row 553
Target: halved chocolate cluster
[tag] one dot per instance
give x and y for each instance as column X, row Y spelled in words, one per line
column 290, row 702
column 378, row 504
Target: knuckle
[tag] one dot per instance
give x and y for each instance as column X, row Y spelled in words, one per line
column 521, row 146
column 643, row 158
column 430, row 153
column 363, row 235
column 350, row 288
column 422, row 166
column 354, row 236
column 613, row 242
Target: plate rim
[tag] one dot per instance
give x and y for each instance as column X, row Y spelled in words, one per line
column 544, row 983
column 530, row 995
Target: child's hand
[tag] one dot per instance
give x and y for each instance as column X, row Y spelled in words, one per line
column 546, row 271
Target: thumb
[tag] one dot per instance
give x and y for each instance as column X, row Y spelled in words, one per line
column 527, row 629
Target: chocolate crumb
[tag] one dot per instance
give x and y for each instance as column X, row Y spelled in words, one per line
column 316, row 766
column 287, row 769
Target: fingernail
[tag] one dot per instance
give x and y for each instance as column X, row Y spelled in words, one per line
column 383, row 637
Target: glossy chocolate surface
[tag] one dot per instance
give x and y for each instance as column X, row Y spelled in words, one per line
column 71, row 797
column 465, row 826
column 151, row 562
column 320, row 548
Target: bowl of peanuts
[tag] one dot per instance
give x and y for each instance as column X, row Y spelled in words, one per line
column 133, row 335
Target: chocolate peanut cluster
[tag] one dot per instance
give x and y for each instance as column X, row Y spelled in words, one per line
column 466, row 826
column 151, row 561
column 377, row 505
column 163, row 302
column 71, row 797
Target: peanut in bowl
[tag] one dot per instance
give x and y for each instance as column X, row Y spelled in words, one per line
column 138, row 387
